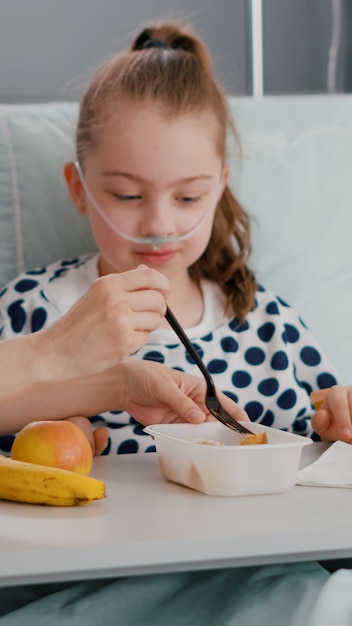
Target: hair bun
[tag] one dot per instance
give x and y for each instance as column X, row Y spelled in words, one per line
column 172, row 36
column 142, row 38
column 184, row 42
column 145, row 41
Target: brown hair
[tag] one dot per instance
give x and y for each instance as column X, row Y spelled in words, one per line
column 168, row 65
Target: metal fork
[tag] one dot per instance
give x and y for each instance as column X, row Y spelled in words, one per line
column 211, row 399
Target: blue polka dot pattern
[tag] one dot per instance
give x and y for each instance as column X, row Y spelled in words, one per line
column 308, row 388
column 310, row 356
column 254, row 410
column 315, row 436
column 109, row 420
column 95, row 418
column 38, row 319
column 217, row 366
column 291, row 334
column 198, row 349
column 61, row 271
column 325, row 380
column 282, row 302
column 238, row 326
column 129, row 446
column 42, row 295
column 17, row 315
column 266, row 331
column 279, row 360
column 302, row 322
column 268, row 418
column 241, row 379
column 107, row 449
column 268, row 364
column 229, row 344
column 154, row 355
column 268, row 387
column 6, row 442
column 272, row 308
column 74, row 261
column 300, row 425
column 138, row 430
column 26, row 284
column 287, row 399
column 254, row 356
column 231, row 395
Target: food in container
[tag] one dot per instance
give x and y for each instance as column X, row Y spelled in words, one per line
column 228, row 468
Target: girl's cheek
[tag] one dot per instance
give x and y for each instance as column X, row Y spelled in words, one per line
column 112, row 249
column 197, row 245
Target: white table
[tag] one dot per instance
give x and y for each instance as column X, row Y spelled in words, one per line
column 148, row 525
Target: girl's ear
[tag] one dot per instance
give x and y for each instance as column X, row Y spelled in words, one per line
column 75, row 187
column 226, row 174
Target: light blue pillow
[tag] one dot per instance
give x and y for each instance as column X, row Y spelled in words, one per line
column 38, row 222
column 295, row 179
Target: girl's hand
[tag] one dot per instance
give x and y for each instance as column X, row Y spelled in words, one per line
column 158, row 394
column 110, row 322
column 97, row 438
column 333, row 419
column 153, row 393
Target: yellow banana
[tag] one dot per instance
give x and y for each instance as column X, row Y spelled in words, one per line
column 39, row 484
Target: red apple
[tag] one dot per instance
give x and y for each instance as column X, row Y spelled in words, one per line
column 55, row 444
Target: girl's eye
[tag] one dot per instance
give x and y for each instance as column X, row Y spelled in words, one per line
column 189, row 199
column 125, row 198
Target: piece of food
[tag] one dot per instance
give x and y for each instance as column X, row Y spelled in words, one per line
column 39, row 484
column 255, row 439
column 317, row 397
column 208, row 442
column 59, row 444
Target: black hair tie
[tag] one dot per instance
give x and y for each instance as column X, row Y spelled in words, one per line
column 155, row 43
column 144, row 41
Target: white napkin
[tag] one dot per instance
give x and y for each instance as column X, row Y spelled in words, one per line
column 332, row 469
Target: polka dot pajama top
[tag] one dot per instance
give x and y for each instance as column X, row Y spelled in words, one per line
column 269, row 364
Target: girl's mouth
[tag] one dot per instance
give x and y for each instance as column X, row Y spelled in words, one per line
column 155, row 257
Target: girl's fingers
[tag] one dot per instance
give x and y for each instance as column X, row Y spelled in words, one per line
column 333, row 419
column 321, row 423
column 146, row 278
column 101, row 437
column 329, row 427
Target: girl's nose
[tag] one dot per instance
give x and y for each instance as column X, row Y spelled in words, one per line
column 157, row 220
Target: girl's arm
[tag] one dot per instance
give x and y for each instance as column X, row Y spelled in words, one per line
column 42, row 377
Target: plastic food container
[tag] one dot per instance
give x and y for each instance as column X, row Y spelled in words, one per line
column 229, row 469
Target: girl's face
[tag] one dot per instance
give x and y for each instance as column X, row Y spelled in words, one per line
column 152, row 177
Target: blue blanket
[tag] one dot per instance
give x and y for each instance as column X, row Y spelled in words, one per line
column 282, row 595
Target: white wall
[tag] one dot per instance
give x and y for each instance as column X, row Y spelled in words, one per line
column 48, row 48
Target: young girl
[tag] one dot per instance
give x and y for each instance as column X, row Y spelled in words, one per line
column 151, row 176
